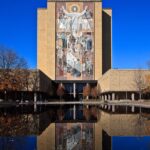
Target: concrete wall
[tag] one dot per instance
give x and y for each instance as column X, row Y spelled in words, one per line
column 121, row 80
column 107, row 40
column 46, row 40
column 98, row 40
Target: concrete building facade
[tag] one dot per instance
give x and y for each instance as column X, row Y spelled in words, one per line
column 75, row 48
column 74, row 40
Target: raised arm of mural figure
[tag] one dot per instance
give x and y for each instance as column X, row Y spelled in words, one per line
column 84, row 11
column 65, row 11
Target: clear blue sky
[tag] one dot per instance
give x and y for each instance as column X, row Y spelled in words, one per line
column 131, row 30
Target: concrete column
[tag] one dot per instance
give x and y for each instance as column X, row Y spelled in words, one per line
column 113, row 96
column 35, row 107
column 140, row 110
column 74, row 112
column 108, row 96
column 102, row 97
column 105, row 97
column 126, row 95
column 109, row 107
column 132, row 109
column 35, row 97
column 132, row 96
column 74, row 90
column 126, row 109
column 113, row 108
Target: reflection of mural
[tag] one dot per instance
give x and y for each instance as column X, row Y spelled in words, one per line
column 75, row 41
column 74, row 136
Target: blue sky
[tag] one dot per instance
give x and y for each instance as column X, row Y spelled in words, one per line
column 131, row 30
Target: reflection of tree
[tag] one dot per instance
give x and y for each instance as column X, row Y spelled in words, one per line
column 18, row 125
column 95, row 112
column 86, row 113
column 60, row 114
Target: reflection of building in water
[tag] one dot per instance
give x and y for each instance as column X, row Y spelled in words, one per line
column 93, row 136
column 74, row 136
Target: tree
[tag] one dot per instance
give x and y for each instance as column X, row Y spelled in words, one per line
column 98, row 89
column 60, row 90
column 13, row 70
column 148, row 65
column 94, row 92
column 10, row 60
column 139, row 82
column 86, row 91
column 147, row 80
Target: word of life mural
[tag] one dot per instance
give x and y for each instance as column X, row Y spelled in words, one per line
column 75, row 41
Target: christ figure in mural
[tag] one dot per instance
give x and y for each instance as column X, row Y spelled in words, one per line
column 75, row 18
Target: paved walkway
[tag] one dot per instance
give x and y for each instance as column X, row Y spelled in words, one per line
column 139, row 103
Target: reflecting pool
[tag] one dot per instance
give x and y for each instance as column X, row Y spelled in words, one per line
column 74, row 127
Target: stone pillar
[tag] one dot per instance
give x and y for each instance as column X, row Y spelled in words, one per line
column 102, row 97
column 132, row 109
column 74, row 90
column 35, row 107
column 105, row 97
column 74, row 112
column 132, row 96
column 113, row 108
column 109, row 107
column 126, row 95
column 113, row 96
column 126, row 109
column 108, row 96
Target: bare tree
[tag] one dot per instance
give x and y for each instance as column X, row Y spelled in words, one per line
column 86, row 91
column 148, row 64
column 98, row 90
column 10, row 60
column 60, row 90
column 13, row 70
column 139, row 82
column 94, row 92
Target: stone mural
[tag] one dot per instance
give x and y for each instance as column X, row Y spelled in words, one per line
column 75, row 41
